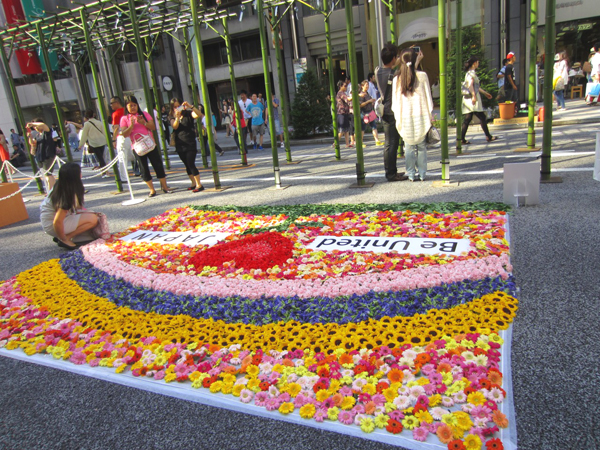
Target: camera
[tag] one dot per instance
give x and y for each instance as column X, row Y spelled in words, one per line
column 417, row 49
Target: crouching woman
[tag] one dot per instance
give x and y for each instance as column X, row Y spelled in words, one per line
column 62, row 213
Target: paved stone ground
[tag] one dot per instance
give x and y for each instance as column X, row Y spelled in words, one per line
column 555, row 341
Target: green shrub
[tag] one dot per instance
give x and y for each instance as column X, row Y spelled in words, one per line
column 311, row 113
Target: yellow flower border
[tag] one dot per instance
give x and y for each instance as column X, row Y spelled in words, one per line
column 48, row 287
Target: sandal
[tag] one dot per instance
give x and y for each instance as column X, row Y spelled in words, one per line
column 493, row 138
column 152, row 194
column 191, row 188
column 465, row 142
column 199, row 189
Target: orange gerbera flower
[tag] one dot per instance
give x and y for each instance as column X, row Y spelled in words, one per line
column 499, row 419
column 444, row 367
column 422, row 359
column 345, row 358
column 395, row 376
column 495, row 377
column 370, row 407
column 444, row 433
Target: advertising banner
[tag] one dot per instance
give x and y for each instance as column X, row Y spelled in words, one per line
column 34, row 9
column 28, row 59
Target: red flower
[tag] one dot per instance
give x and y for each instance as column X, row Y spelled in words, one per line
column 456, row 444
column 419, row 407
column 382, row 386
column 394, row 426
column 494, row 444
column 323, row 372
column 318, row 386
column 264, row 385
column 260, row 251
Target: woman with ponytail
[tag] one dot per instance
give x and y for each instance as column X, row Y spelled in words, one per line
column 412, row 105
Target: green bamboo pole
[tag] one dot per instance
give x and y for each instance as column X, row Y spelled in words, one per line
column 360, row 162
column 265, row 60
column 139, row 45
column 236, row 105
column 332, row 91
column 392, row 7
column 205, row 96
column 55, row 99
column 103, row 117
column 196, row 97
column 458, row 76
column 443, row 88
column 532, row 75
column 282, row 99
column 550, row 34
column 157, row 102
column 20, row 118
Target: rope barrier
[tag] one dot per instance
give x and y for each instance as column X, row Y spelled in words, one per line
column 41, row 173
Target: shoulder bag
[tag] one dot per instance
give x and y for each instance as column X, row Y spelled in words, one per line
column 142, row 144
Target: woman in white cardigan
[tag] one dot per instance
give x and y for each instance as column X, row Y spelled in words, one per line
column 412, row 105
column 560, row 79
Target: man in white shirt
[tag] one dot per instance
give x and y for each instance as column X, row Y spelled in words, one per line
column 244, row 102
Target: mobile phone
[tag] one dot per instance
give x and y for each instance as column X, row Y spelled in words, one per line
column 417, row 49
column 180, row 108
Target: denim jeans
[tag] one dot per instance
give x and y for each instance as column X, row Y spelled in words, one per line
column 416, row 158
column 390, row 150
column 73, row 142
column 560, row 98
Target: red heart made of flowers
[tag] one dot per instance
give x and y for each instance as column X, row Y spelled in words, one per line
column 259, row 251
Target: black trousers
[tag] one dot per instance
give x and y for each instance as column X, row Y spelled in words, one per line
column 99, row 154
column 187, row 153
column 390, row 149
column 467, row 120
column 155, row 160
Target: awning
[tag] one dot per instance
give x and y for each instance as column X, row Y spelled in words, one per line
column 419, row 30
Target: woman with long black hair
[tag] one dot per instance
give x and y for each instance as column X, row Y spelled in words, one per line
column 412, row 105
column 62, row 213
column 182, row 116
column 472, row 103
column 137, row 124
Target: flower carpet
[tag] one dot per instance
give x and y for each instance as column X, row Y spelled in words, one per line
column 389, row 322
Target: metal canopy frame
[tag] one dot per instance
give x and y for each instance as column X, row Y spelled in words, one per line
column 109, row 23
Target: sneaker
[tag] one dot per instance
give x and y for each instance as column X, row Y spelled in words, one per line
column 252, row 143
column 254, row 146
column 379, row 143
column 282, row 145
column 260, row 147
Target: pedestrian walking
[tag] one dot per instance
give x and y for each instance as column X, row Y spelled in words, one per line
column 412, row 105
column 43, row 147
column 93, row 134
column 472, row 104
column 560, row 79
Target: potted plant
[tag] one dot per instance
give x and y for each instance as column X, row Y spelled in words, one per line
column 507, row 110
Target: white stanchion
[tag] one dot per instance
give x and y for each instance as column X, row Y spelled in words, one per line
column 597, row 162
column 133, row 200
